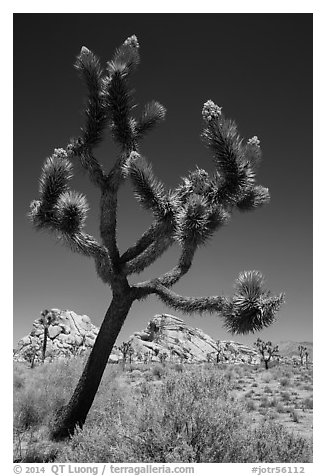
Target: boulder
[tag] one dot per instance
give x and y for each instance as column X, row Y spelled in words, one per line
column 170, row 336
column 68, row 335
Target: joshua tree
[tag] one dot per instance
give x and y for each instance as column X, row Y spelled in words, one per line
column 125, row 348
column 188, row 215
column 266, row 349
column 47, row 318
column 148, row 357
column 306, row 354
column 130, row 354
column 210, row 357
column 219, row 351
column 302, row 352
column 163, row 356
column 30, row 354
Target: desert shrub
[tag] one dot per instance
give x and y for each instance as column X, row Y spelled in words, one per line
column 250, row 405
column 307, row 403
column 280, row 408
column 229, row 375
column 274, row 402
column 158, row 371
column 295, row 415
column 18, row 381
column 285, row 396
column 284, row 382
column 270, row 415
column 28, row 410
column 264, row 402
column 45, row 389
column 267, row 377
column 271, row 443
column 239, row 371
column 267, row 389
column 249, row 393
column 40, row 453
column 177, row 367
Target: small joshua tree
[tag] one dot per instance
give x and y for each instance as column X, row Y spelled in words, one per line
column 47, row 318
column 306, row 354
column 130, row 354
column 210, row 357
column 266, row 349
column 30, row 354
column 188, row 215
column 125, row 348
column 219, row 352
column 163, row 356
column 302, row 352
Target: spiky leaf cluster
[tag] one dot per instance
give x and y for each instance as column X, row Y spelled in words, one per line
column 71, row 212
column 253, row 151
column 126, row 56
column 89, row 67
column 59, row 208
column 119, row 95
column 236, row 173
column 55, row 176
column 236, row 163
column 252, row 307
column 200, row 214
column 197, row 182
column 256, row 197
column 153, row 114
column 148, row 190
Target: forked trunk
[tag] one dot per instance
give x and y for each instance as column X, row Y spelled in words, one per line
column 75, row 412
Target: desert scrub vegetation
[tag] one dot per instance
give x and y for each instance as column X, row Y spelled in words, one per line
column 188, row 416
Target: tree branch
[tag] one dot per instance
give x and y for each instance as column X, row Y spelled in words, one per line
column 250, row 309
column 157, row 229
column 185, row 261
column 184, row 304
column 149, row 256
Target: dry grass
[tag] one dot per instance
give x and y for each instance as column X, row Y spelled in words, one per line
column 155, row 413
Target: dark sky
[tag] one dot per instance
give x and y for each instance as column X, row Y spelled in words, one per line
column 258, row 67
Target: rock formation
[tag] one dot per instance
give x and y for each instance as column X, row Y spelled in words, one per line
column 169, row 338
column 68, row 335
column 166, row 338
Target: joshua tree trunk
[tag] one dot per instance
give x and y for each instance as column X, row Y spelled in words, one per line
column 33, row 360
column 46, row 331
column 266, row 364
column 75, row 412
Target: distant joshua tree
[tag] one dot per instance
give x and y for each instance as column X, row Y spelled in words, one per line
column 30, row 354
column 266, row 349
column 188, row 215
column 47, row 318
column 307, row 357
column 219, row 352
column 216, row 355
column 163, row 356
column 304, row 354
column 126, row 350
column 210, row 357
